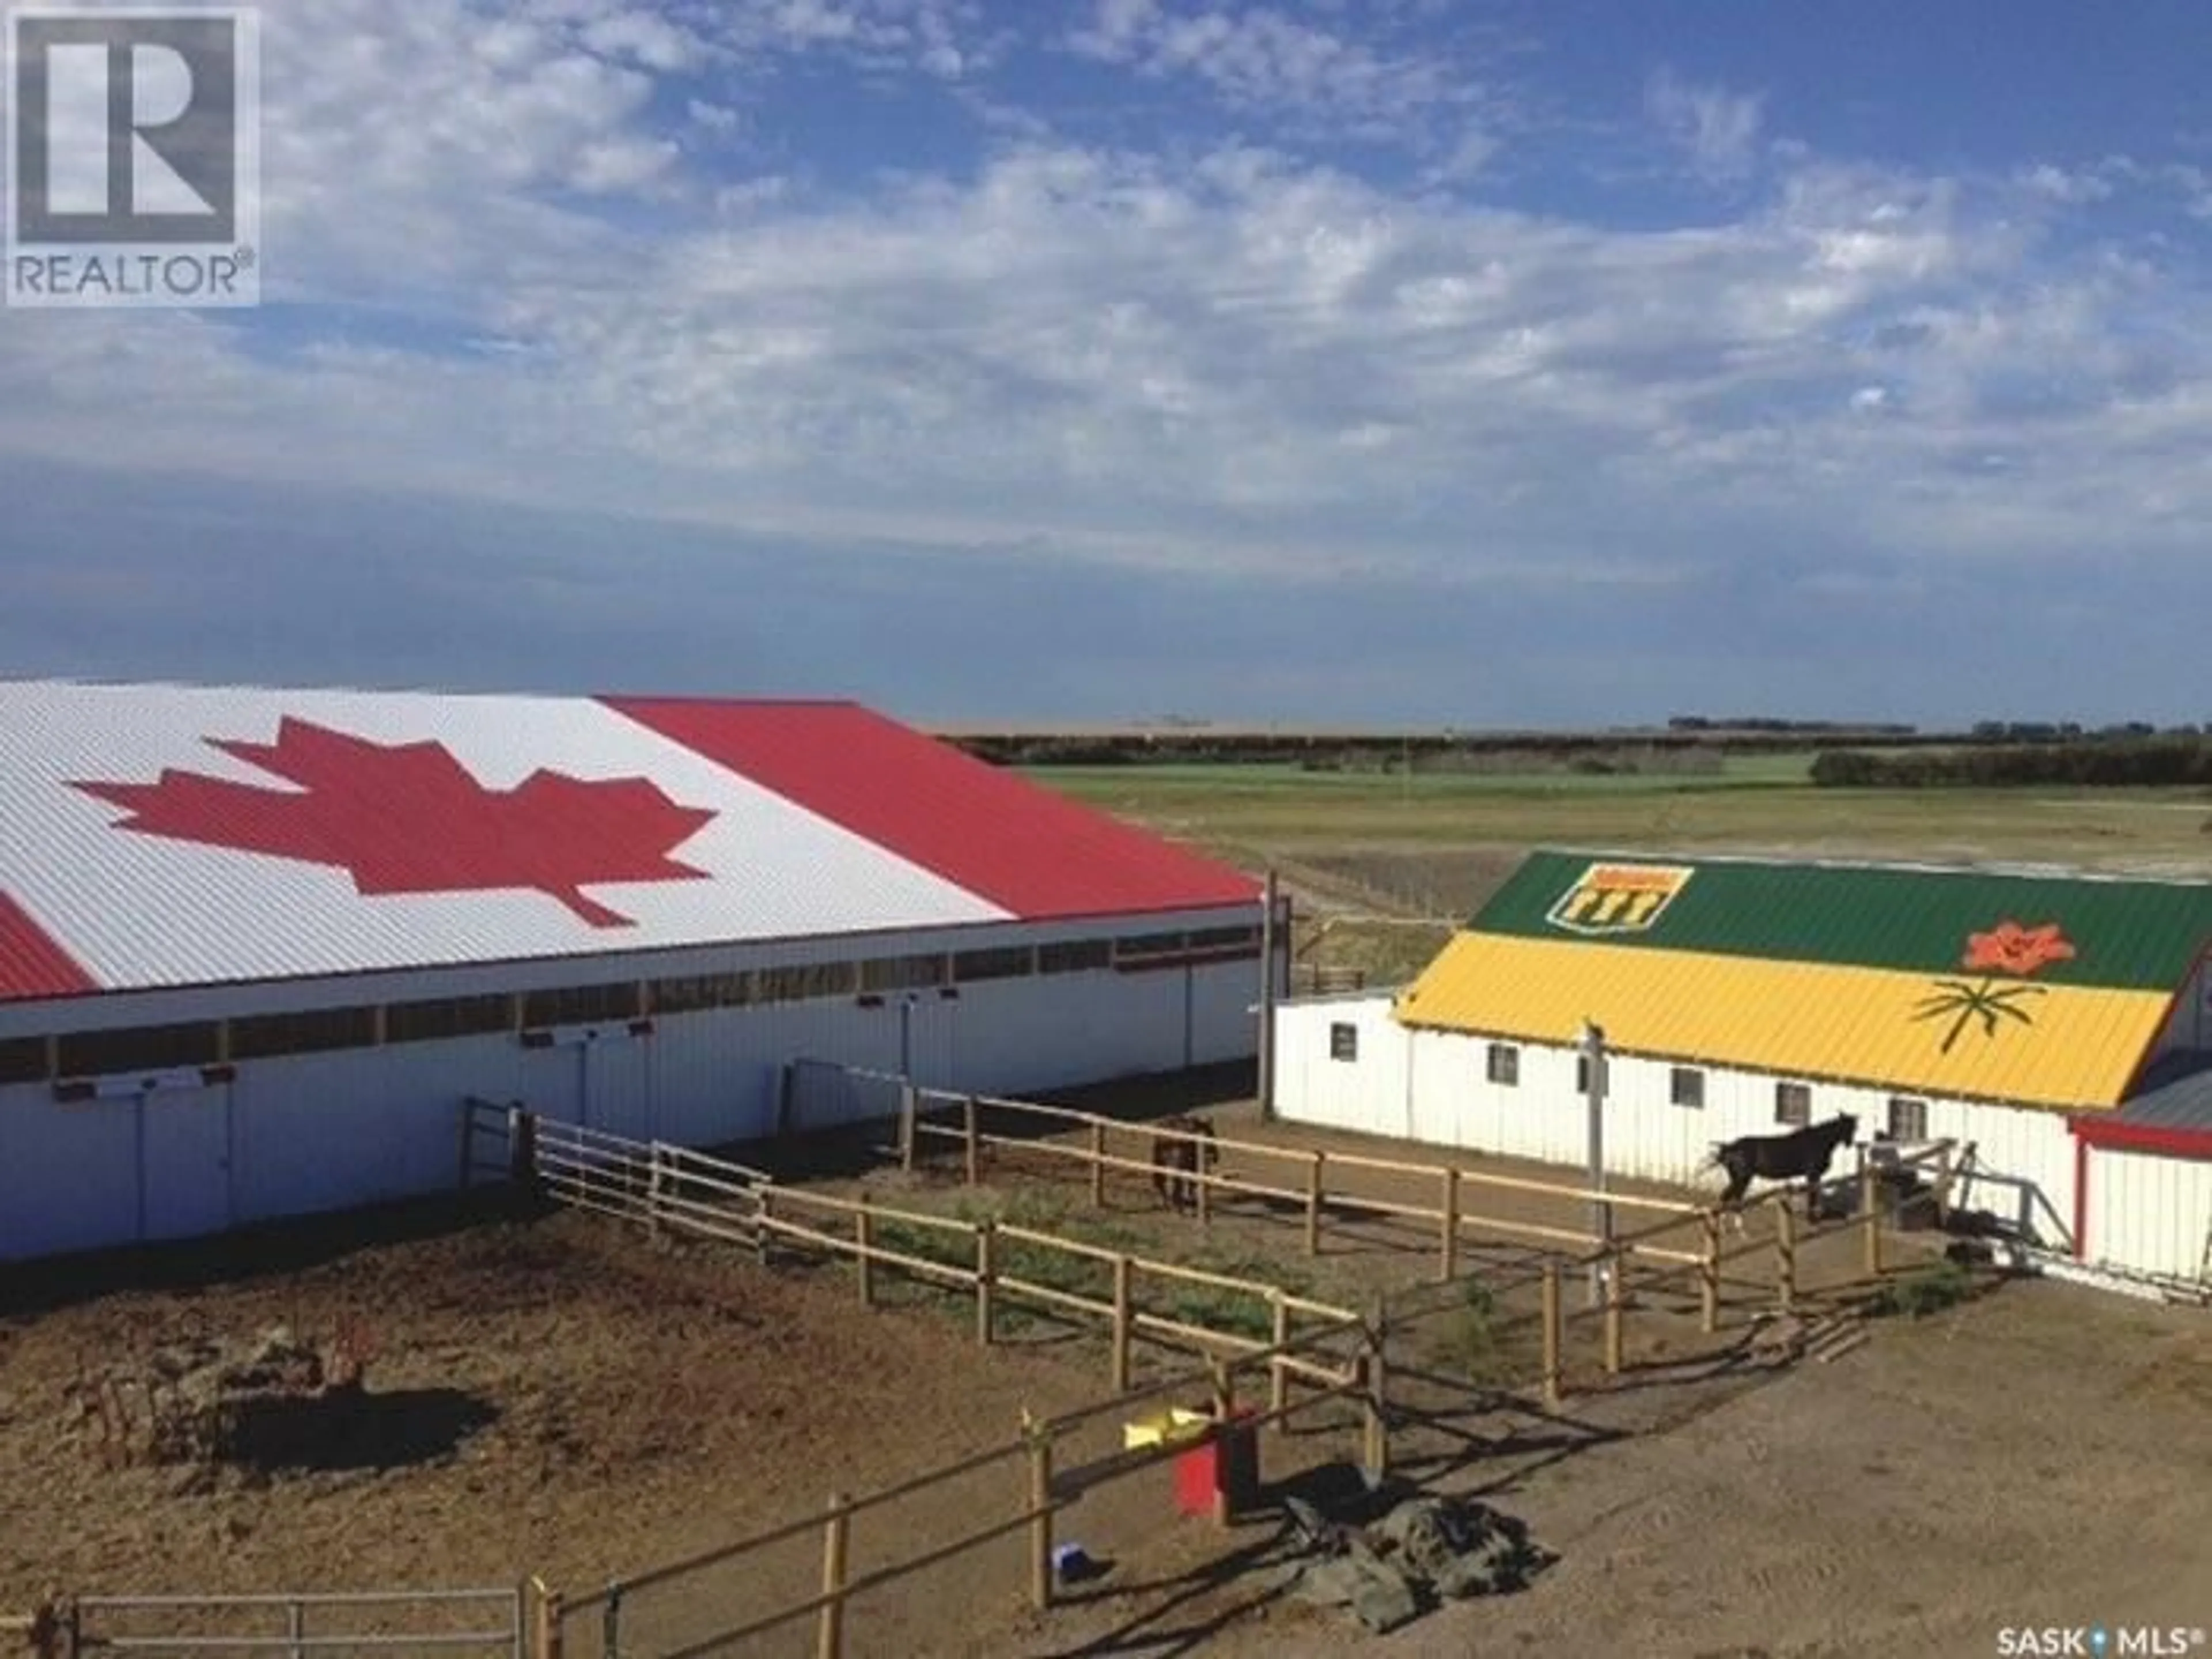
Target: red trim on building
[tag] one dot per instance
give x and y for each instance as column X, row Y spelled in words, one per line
column 2121, row 1136
column 30, row 963
column 1014, row 843
column 2080, row 1196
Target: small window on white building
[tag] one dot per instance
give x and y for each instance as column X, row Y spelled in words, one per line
column 1502, row 1064
column 1908, row 1118
column 1343, row 1041
column 1687, row 1086
column 1793, row 1104
column 1581, row 1074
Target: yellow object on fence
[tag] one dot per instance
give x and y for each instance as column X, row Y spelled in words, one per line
column 1165, row 1428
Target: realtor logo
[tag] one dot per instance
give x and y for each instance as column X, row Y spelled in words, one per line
column 133, row 157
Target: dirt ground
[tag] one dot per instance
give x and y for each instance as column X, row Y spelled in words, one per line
column 567, row 1399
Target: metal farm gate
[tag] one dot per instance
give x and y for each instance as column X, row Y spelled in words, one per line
column 464, row 1624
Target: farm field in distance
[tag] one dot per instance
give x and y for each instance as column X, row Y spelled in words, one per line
column 1435, row 845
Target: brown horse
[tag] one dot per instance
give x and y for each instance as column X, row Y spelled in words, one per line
column 1177, row 1161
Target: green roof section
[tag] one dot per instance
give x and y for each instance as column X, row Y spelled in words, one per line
column 2124, row 933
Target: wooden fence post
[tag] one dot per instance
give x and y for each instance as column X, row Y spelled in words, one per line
column 549, row 1644
column 970, row 1112
column 829, row 1632
column 1708, row 1273
column 1201, row 1184
column 1314, row 1178
column 909, row 1112
column 1122, row 1322
column 763, row 1230
column 611, row 1622
column 1225, row 1412
column 1946, row 1150
column 1449, row 1269
column 1616, row 1301
column 1785, row 1253
column 521, row 1146
column 1374, row 1438
column 1040, row 1468
column 1098, row 1165
column 1554, row 1336
column 1871, row 1207
column 864, row 1235
column 653, row 1179
column 986, row 1274
column 1279, row 1375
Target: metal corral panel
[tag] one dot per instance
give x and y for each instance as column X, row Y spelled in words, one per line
column 2149, row 1212
column 2064, row 1046
column 166, row 837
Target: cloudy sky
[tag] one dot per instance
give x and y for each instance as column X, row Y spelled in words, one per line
column 1544, row 362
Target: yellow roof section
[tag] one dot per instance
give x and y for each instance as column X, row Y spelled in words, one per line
column 1972, row 1036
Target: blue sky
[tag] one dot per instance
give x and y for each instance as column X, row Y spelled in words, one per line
column 1549, row 363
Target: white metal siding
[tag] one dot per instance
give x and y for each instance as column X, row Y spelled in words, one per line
column 1367, row 1093
column 303, row 1133
column 2149, row 1212
column 1433, row 1086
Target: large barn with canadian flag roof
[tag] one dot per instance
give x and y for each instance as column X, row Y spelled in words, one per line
column 257, row 945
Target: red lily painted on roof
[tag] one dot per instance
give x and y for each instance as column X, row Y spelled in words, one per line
column 2007, row 949
column 409, row 818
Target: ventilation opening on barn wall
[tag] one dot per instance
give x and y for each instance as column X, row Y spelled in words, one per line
column 1343, row 1041
column 1501, row 1064
column 1793, row 1104
column 1687, row 1086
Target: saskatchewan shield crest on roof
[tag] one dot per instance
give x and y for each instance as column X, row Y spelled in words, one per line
column 1616, row 897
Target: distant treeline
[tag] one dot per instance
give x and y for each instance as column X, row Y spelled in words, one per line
column 2141, row 763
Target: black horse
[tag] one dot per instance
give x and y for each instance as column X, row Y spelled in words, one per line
column 1800, row 1155
column 1176, row 1160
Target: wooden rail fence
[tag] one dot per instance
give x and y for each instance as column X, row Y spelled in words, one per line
column 1340, row 1356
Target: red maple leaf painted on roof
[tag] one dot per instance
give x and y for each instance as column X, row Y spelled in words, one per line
column 408, row 818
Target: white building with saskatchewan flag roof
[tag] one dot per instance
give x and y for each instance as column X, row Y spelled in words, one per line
column 2060, row 1024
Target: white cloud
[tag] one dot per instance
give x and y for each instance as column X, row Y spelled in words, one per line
column 1234, row 358
column 1718, row 130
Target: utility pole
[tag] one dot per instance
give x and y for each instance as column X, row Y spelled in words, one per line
column 1600, row 1209
column 1268, row 1001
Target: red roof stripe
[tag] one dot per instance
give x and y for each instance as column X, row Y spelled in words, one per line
column 2121, row 1136
column 30, row 963
column 1017, row 845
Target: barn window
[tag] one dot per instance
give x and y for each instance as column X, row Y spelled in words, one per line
column 803, row 981
column 1908, row 1118
column 448, row 1018
column 580, row 1004
column 1145, row 946
column 23, row 1059
column 1007, row 962
column 1581, row 1074
column 901, row 973
column 1074, row 955
column 140, row 1048
column 695, row 991
column 1502, row 1064
column 1793, row 1104
column 1226, row 939
column 1343, row 1041
column 1687, row 1086
column 316, row 1031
